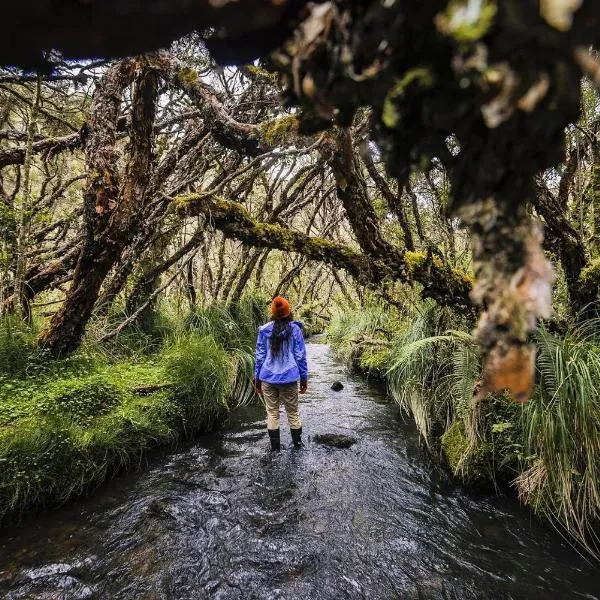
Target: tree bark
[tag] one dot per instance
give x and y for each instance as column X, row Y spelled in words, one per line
column 568, row 244
column 111, row 211
column 147, row 283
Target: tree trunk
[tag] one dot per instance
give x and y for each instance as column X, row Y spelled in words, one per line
column 111, row 216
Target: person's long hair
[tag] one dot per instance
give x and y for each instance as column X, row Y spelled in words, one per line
column 280, row 336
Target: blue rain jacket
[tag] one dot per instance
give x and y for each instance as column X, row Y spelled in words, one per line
column 290, row 366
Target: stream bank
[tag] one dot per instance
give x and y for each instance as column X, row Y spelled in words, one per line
column 226, row 519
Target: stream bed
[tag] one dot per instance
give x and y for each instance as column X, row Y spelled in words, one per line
column 227, row 519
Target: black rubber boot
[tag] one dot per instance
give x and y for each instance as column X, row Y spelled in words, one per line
column 297, row 437
column 275, row 439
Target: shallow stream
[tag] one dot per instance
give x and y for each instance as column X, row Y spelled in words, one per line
column 226, row 519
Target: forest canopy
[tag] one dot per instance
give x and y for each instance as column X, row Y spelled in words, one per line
column 440, row 89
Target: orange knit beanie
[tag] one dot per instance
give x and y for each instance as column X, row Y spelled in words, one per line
column 280, row 308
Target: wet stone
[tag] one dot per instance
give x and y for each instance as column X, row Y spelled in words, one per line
column 160, row 508
column 335, row 440
column 337, row 386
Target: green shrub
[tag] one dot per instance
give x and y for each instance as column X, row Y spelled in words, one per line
column 202, row 372
column 365, row 332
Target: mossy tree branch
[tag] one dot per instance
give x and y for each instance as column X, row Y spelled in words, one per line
column 447, row 286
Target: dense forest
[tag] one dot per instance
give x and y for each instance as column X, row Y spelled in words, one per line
column 432, row 203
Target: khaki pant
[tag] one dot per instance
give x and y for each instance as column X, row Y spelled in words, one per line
column 276, row 394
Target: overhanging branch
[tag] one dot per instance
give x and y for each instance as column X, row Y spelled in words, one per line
column 447, row 286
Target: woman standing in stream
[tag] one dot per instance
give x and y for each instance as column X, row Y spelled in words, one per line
column 280, row 367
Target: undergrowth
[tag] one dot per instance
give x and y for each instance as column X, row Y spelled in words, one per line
column 548, row 450
column 66, row 425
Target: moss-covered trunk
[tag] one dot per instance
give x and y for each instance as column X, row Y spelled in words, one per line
column 112, row 210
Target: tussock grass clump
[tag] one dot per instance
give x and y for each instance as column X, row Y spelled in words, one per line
column 433, row 377
column 234, row 326
column 561, row 433
column 202, row 370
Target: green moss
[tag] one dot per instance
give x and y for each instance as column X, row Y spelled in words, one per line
column 590, row 276
column 234, row 210
column 414, row 260
column 262, row 74
column 421, row 77
column 463, row 23
column 325, row 247
column 187, row 76
column 467, row 279
column 470, row 465
column 455, row 446
column 277, row 130
column 268, row 231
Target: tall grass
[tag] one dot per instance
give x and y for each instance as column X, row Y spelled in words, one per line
column 561, row 433
column 66, row 425
column 202, row 371
column 550, row 448
column 233, row 326
column 17, row 350
column 432, row 378
column 361, row 338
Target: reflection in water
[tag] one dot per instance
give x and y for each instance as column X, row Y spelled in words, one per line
column 226, row 519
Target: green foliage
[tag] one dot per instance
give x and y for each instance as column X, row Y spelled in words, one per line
column 561, row 432
column 233, row 325
column 360, row 338
column 432, row 377
column 550, row 447
column 202, row 371
column 84, row 399
column 66, row 425
column 470, row 463
column 16, row 346
column 242, row 391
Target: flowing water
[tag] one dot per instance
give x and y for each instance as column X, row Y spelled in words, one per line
column 226, row 519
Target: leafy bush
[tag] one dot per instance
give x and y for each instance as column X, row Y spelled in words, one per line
column 202, row 371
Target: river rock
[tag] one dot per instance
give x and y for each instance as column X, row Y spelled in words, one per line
column 337, row 386
column 335, row 440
